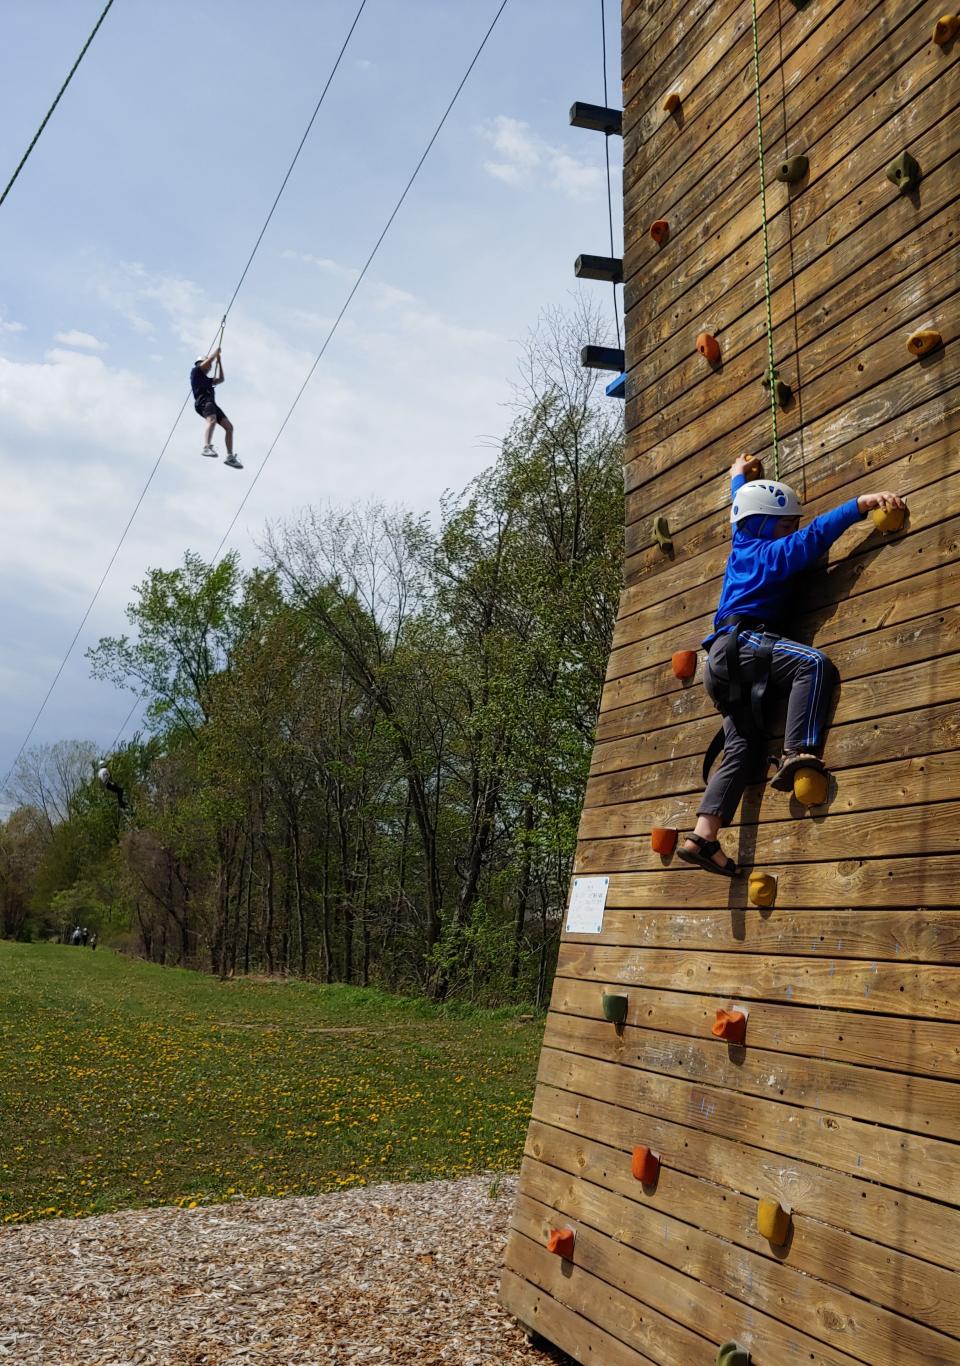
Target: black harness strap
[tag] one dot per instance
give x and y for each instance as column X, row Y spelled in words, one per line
column 745, row 710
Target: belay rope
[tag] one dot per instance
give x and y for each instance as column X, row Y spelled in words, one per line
column 771, row 370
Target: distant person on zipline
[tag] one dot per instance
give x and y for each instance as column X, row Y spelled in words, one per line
column 206, row 373
column 107, row 783
column 747, row 652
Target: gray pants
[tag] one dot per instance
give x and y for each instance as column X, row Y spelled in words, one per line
column 805, row 674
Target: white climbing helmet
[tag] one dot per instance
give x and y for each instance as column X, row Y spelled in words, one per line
column 764, row 498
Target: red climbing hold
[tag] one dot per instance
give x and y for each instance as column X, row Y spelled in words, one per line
column 663, row 839
column 684, row 663
column 645, row 1165
column 730, row 1025
column 561, row 1242
column 659, row 231
column 709, row 347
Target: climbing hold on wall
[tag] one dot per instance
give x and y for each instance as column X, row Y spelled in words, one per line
column 663, row 839
column 615, row 1008
column 946, row 29
column 754, row 470
column 773, row 1222
column 810, row 786
column 672, row 103
column 684, row 663
column 599, row 268
column 730, row 1025
column 792, row 169
column 923, row 342
column 659, row 231
column 661, row 534
column 561, row 1241
column 645, row 1164
column 731, row 1353
column 904, row 172
column 887, row 519
column 709, row 347
column 781, row 388
column 762, row 889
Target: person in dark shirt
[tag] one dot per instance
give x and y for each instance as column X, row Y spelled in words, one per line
column 208, row 371
column 767, row 550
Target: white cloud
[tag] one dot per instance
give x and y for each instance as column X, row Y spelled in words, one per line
column 84, row 340
column 324, row 263
column 527, row 160
column 11, row 327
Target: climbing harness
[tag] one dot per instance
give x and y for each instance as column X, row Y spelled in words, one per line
column 732, row 698
column 771, row 369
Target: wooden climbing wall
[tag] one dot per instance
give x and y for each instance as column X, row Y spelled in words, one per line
column 844, row 1103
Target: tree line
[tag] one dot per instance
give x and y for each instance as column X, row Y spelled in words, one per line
column 363, row 760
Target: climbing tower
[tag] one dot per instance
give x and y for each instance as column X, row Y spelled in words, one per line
column 745, row 1141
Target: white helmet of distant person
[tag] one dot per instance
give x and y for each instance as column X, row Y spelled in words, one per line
column 764, row 498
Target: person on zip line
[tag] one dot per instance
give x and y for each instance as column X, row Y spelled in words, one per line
column 206, row 373
column 747, row 650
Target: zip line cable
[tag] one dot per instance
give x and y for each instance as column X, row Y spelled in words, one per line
column 46, row 120
column 606, row 148
column 349, row 299
column 771, row 371
column 170, row 434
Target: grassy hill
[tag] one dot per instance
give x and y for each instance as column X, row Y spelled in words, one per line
column 124, row 1084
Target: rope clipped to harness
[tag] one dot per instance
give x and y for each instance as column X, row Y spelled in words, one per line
column 771, row 380
column 745, row 709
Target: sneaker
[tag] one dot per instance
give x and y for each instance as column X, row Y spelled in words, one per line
column 209, row 450
column 233, row 462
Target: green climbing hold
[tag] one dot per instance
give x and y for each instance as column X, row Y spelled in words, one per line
column 904, row 172
column 781, row 388
column 661, row 534
column 615, row 1008
column 731, row 1354
column 792, row 170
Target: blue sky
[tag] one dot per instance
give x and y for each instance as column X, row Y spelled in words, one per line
column 127, row 231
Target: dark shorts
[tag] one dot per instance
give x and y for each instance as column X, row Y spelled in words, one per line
column 207, row 407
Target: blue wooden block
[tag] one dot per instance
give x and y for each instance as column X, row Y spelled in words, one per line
column 617, row 388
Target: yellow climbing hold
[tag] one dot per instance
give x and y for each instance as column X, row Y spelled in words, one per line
column 887, row 519
column 810, row 787
column 946, row 29
column 762, row 889
column 773, row 1222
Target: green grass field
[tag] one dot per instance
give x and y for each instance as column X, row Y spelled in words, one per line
column 124, row 1084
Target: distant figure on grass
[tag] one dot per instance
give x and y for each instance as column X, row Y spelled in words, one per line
column 93, row 940
column 747, row 651
column 208, row 371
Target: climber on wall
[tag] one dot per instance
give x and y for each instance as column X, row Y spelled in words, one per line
column 746, row 651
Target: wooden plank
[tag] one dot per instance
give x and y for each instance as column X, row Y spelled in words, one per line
column 541, row 1312
column 856, row 1265
column 682, row 1297
column 919, row 1105
column 604, row 1183
column 927, row 1047
column 919, row 1166
column 706, row 1147
column 929, row 991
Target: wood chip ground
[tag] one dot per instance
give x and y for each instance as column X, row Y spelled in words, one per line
column 383, row 1274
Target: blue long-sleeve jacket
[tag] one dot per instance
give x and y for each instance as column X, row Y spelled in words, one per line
column 756, row 581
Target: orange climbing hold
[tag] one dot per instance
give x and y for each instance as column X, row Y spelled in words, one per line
column 810, row 786
column 672, row 103
column 709, row 347
column 730, row 1025
column 561, row 1241
column 659, row 231
column 944, row 30
column 887, row 519
column 684, row 663
column 645, row 1165
column 762, row 889
column 773, row 1222
column 754, row 470
column 923, row 342
column 663, row 839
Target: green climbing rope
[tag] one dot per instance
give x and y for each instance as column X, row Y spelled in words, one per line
column 771, row 369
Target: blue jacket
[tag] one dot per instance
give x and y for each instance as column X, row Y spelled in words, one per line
column 757, row 578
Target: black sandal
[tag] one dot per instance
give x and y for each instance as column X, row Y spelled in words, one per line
column 704, row 858
column 790, row 766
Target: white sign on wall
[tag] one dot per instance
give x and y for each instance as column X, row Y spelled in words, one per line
column 588, row 896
